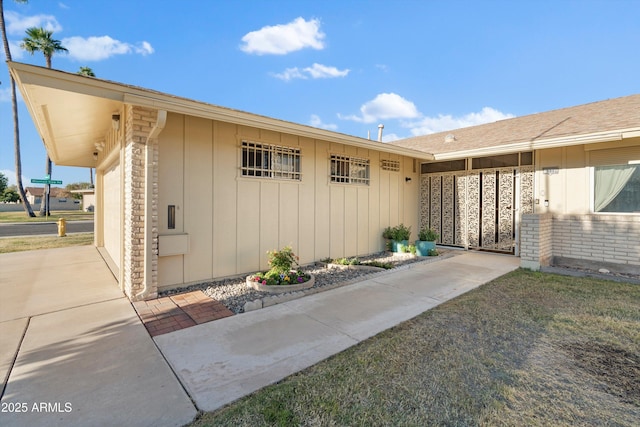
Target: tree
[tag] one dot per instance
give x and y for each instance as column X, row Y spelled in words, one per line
column 14, row 107
column 10, row 195
column 77, row 186
column 4, row 181
column 40, row 40
column 86, row 71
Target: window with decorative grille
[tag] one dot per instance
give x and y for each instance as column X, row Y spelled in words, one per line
column 349, row 170
column 390, row 165
column 270, row 161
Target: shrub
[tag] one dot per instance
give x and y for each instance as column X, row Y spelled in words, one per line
column 282, row 261
column 401, row 232
column 427, row 235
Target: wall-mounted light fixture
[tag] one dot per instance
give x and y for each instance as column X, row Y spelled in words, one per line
column 115, row 121
column 95, row 155
column 407, row 179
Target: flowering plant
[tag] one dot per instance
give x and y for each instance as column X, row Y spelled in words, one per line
column 282, row 269
column 270, row 278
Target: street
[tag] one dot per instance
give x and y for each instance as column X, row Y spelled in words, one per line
column 43, row 228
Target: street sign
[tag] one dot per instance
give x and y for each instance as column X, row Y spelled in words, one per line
column 45, row 181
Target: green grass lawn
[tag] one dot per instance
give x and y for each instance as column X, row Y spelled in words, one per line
column 526, row 349
column 76, row 215
column 17, row 244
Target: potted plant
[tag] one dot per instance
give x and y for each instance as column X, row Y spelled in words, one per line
column 401, row 234
column 282, row 276
column 387, row 235
column 426, row 241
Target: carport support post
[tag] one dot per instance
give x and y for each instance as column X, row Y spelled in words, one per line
column 140, row 257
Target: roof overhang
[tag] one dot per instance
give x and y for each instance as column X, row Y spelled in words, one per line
column 73, row 112
column 542, row 144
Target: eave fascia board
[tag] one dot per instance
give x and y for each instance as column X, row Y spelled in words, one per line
column 212, row 112
column 591, row 138
column 34, row 75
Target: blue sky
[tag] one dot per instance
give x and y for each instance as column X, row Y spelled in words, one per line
column 416, row 66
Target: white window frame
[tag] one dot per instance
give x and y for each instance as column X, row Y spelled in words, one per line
column 345, row 169
column 592, row 190
column 260, row 160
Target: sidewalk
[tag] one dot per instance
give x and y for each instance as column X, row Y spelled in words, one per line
column 73, row 349
column 75, row 353
column 221, row 361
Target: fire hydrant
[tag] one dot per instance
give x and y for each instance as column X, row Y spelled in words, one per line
column 62, row 227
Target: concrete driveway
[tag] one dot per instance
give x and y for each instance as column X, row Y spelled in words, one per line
column 73, row 350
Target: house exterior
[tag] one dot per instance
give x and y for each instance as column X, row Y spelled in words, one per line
column 59, row 198
column 189, row 192
column 561, row 187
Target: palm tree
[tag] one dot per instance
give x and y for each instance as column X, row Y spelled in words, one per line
column 14, row 107
column 40, row 40
column 86, row 71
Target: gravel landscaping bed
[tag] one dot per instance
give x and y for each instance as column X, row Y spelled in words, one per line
column 234, row 293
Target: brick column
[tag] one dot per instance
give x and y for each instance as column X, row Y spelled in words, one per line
column 536, row 240
column 140, row 257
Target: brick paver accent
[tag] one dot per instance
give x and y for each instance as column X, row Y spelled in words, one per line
column 168, row 314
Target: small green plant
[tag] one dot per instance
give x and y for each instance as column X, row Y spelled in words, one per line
column 412, row 249
column 427, row 235
column 385, row 265
column 387, row 233
column 433, row 252
column 282, row 272
column 282, row 261
column 347, row 261
column 401, row 232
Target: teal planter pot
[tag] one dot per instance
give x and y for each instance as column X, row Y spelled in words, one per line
column 423, row 248
column 395, row 245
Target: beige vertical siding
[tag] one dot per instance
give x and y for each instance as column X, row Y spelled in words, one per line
column 232, row 221
column 569, row 191
column 112, row 211
column 171, row 191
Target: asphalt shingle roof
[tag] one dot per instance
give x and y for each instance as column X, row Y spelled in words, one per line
column 601, row 116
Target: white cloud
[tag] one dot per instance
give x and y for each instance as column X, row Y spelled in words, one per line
column 319, row 71
column 316, row 71
column 17, row 24
column 284, row 38
column 315, row 121
column 144, row 49
column 445, row 122
column 290, row 73
column 383, row 107
column 99, row 48
column 63, row 6
column 390, row 137
column 16, row 51
column 11, row 177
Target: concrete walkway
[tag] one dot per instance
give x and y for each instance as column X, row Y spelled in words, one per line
column 73, row 351
column 221, row 361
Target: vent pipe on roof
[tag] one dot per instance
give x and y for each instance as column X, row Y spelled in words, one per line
column 380, row 127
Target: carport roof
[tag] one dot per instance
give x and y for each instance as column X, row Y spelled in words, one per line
column 609, row 120
column 72, row 112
